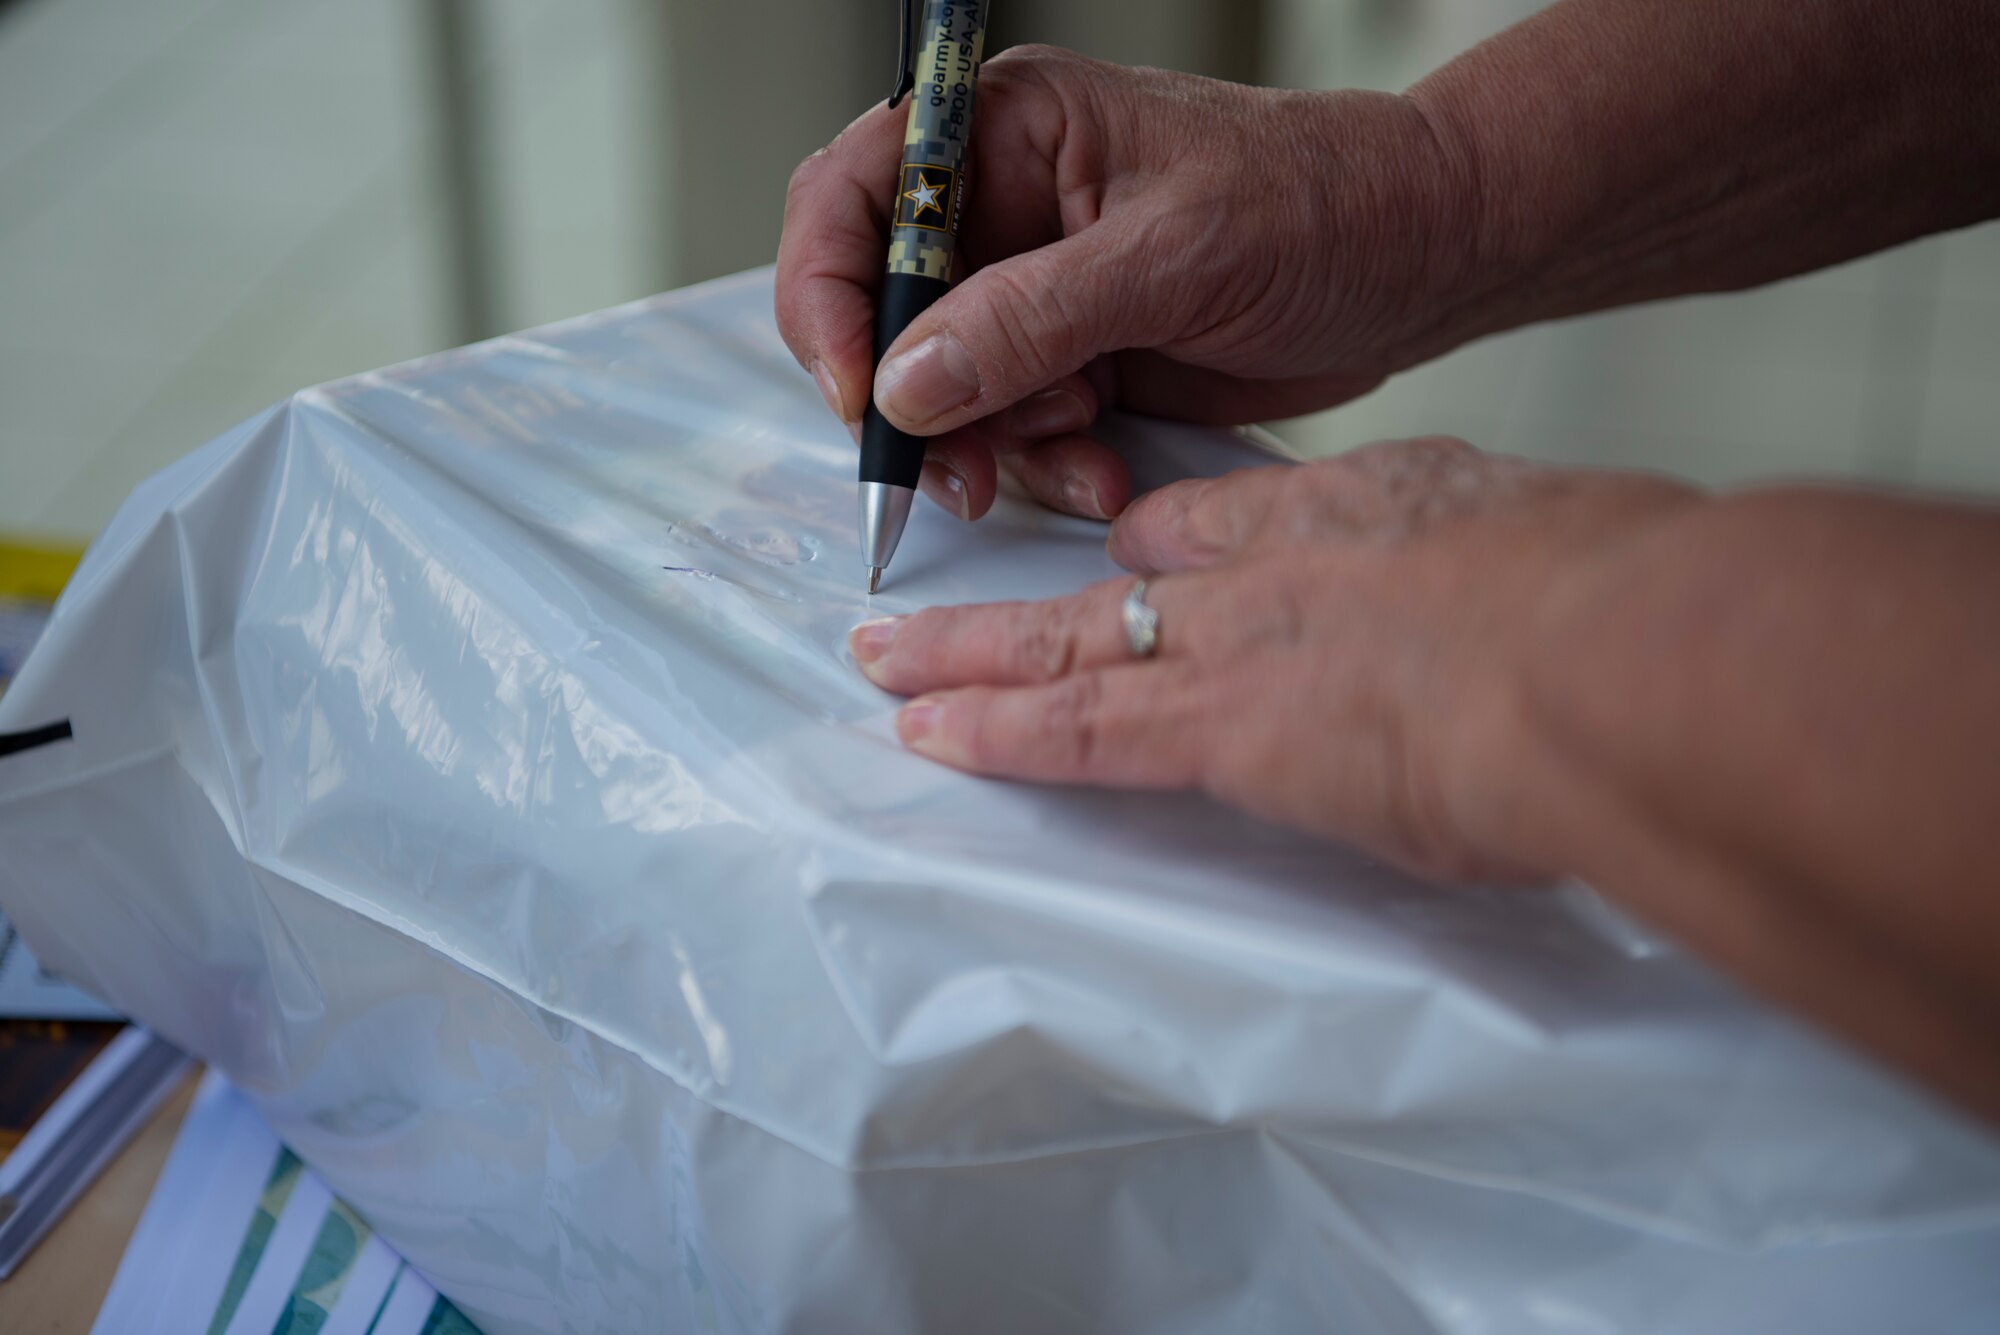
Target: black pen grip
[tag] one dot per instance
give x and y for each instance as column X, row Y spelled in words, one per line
column 889, row 455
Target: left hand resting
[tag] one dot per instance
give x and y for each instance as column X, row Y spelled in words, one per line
column 1343, row 648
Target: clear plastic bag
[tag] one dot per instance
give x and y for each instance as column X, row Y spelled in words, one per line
column 466, row 761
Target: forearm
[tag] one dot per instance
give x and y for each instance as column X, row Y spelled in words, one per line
column 1622, row 150
column 1771, row 724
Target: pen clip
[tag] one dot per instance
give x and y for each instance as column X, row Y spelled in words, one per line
column 906, row 69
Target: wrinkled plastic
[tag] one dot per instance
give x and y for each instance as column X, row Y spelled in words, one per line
column 467, row 762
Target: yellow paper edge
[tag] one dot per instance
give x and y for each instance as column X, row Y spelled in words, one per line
column 33, row 571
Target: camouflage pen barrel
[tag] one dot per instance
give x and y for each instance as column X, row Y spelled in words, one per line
column 930, row 194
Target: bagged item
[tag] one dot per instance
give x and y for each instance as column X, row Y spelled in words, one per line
column 466, row 761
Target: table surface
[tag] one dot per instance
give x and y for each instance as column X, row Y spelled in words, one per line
column 59, row 1288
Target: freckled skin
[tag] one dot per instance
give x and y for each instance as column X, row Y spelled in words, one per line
column 1767, row 721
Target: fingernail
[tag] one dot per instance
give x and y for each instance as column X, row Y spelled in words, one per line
column 917, row 722
column 854, row 430
column 928, row 381
column 1053, row 412
column 1081, row 497
column 829, row 389
column 871, row 639
column 942, row 484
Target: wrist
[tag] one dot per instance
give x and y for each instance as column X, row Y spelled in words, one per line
column 1507, row 225
column 1395, row 240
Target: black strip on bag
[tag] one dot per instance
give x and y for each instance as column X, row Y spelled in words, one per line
column 10, row 742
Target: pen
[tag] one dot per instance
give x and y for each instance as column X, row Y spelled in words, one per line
column 923, row 237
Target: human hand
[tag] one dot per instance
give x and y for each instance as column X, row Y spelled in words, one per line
column 1173, row 245
column 1345, row 648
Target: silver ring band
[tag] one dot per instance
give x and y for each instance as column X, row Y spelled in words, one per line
column 1142, row 623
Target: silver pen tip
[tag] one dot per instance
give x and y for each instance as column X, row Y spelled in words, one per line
column 874, row 578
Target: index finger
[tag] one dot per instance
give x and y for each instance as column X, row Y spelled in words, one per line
column 830, row 257
column 1198, row 522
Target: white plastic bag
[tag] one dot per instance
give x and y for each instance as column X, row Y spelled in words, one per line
column 466, row 761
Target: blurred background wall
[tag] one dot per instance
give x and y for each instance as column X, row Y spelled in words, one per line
column 205, row 204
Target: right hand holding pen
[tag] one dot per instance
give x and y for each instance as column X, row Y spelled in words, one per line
column 1169, row 244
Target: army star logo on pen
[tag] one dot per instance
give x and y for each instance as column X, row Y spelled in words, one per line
column 928, row 198
column 925, row 196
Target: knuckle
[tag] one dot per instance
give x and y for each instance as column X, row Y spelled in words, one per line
column 1287, row 611
column 1069, row 732
column 1432, row 478
column 1296, row 513
column 986, row 742
column 1058, row 737
column 1360, row 466
column 1020, row 72
column 1357, row 491
column 1040, row 57
column 1061, row 736
column 1423, row 455
column 1048, row 645
column 1427, row 459
column 1269, row 610
column 1452, row 447
column 1206, row 526
column 807, row 173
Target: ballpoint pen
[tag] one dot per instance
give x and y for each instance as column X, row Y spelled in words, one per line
column 923, row 237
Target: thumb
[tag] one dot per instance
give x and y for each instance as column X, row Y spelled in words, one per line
column 1009, row 330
